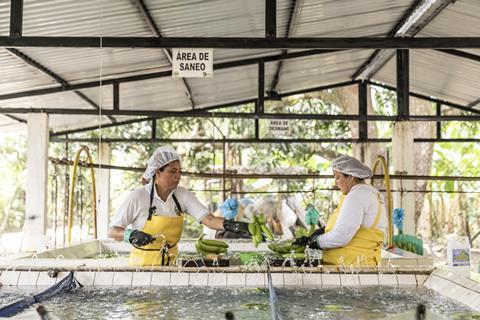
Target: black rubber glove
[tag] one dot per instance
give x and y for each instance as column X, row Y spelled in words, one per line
column 140, row 238
column 237, row 227
column 310, row 241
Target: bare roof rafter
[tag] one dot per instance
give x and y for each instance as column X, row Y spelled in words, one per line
column 142, row 8
column 416, row 18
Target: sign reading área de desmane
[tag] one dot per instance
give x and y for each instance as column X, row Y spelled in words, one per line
column 279, row 127
column 192, row 63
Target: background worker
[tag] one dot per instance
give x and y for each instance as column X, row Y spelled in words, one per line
column 355, row 231
column 156, row 212
column 229, row 210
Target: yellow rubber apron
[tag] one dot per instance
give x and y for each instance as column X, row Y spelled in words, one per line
column 167, row 232
column 365, row 247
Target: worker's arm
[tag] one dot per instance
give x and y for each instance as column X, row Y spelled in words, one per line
column 135, row 237
column 218, row 223
column 116, row 233
column 213, row 222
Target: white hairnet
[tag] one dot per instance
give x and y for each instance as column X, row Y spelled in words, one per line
column 351, row 166
column 160, row 157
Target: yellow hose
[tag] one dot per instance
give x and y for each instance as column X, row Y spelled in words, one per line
column 72, row 193
column 386, row 180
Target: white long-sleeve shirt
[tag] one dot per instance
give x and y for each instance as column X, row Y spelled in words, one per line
column 134, row 210
column 359, row 209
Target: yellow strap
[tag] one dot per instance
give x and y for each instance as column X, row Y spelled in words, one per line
column 379, row 212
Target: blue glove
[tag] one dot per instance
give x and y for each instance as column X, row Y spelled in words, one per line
column 398, row 215
column 229, row 208
column 312, row 215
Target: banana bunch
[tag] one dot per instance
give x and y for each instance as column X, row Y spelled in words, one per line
column 257, row 227
column 286, row 249
column 210, row 247
column 302, row 232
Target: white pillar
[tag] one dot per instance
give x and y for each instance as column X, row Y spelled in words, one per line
column 35, row 225
column 103, row 191
column 403, row 163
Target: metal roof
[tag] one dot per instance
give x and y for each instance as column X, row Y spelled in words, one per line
column 432, row 73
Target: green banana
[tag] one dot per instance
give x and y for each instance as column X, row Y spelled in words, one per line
column 267, row 232
column 275, row 247
column 258, row 234
column 261, row 218
column 251, row 228
column 215, row 243
column 209, row 249
column 210, row 246
column 285, row 248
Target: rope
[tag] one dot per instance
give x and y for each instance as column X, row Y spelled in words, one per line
column 67, row 284
column 276, row 315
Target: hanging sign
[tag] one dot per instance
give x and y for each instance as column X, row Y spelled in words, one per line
column 192, row 63
column 279, row 127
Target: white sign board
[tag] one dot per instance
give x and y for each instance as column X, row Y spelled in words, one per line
column 279, row 127
column 192, row 63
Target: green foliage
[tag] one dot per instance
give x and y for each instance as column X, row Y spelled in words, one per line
column 12, row 190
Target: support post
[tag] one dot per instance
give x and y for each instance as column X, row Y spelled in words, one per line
column 35, row 225
column 403, row 85
column 270, row 18
column 404, row 164
column 439, row 123
column 116, row 96
column 259, row 105
column 16, row 18
column 103, row 190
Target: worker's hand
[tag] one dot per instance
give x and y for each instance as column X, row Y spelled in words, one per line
column 237, row 227
column 140, row 238
column 310, row 241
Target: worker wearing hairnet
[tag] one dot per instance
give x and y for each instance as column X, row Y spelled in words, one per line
column 355, row 231
column 156, row 212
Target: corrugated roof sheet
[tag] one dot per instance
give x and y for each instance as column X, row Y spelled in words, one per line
column 439, row 75
column 329, row 18
column 320, row 70
column 459, row 19
column 432, row 73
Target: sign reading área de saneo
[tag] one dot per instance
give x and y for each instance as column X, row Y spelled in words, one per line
column 192, row 63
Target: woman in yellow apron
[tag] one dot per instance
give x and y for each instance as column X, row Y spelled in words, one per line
column 354, row 233
column 156, row 212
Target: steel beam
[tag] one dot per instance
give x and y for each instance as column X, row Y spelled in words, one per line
column 52, row 75
column 239, row 115
column 313, row 175
column 57, row 138
column 16, row 18
column 270, row 19
column 424, row 97
column 362, row 111
column 292, row 20
column 261, row 87
column 161, row 74
column 142, row 8
column 116, row 96
column 460, row 54
column 403, row 83
column 230, row 104
column 418, row 15
column 15, row 118
column 473, row 104
column 439, row 124
column 245, row 43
